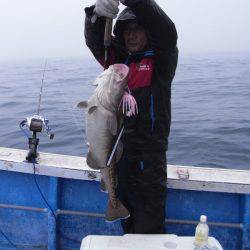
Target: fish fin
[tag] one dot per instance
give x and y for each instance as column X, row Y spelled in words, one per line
column 92, row 109
column 119, row 151
column 96, row 83
column 91, row 162
column 116, row 213
column 103, row 187
column 83, row 104
column 112, row 124
column 99, row 79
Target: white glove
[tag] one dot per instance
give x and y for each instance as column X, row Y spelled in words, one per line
column 107, row 8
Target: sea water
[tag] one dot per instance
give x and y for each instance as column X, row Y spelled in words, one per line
column 210, row 107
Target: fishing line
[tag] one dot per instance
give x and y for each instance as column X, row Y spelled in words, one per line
column 48, row 205
column 10, row 242
column 39, row 189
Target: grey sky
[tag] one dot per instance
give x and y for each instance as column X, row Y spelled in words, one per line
column 54, row 28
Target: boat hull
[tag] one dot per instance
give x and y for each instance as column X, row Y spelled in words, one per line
column 79, row 207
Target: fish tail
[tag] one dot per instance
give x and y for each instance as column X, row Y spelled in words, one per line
column 117, row 212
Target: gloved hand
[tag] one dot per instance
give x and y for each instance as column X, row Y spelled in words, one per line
column 107, row 8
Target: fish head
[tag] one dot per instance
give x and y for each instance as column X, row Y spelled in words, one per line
column 111, row 85
column 118, row 81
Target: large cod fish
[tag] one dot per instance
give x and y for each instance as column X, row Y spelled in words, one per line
column 101, row 130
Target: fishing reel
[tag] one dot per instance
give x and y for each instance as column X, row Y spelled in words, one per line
column 35, row 124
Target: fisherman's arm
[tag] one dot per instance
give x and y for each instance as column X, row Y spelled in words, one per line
column 94, row 30
column 94, row 33
column 161, row 30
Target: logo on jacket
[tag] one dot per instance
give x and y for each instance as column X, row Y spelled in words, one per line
column 144, row 67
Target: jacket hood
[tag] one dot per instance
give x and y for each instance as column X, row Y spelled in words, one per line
column 124, row 17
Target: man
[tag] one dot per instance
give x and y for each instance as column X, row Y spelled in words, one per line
column 145, row 39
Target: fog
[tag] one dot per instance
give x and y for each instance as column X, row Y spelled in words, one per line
column 45, row 29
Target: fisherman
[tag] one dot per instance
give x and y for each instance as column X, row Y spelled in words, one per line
column 145, row 39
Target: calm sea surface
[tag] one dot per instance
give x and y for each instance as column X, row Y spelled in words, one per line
column 210, row 105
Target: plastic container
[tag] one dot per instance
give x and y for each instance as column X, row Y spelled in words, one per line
column 145, row 242
column 201, row 232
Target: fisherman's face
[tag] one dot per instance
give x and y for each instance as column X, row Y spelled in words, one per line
column 135, row 37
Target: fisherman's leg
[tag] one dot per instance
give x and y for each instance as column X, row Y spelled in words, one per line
column 151, row 191
column 128, row 225
column 126, row 174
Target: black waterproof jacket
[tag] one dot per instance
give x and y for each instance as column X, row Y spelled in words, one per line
column 149, row 130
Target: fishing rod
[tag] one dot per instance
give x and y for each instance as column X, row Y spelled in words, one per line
column 41, row 89
column 129, row 108
column 115, row 147
column 36, row 124
column 107, row 43
column 131, row 103
column 107, row 39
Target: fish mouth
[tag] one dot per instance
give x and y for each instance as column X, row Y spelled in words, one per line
column 122, row 71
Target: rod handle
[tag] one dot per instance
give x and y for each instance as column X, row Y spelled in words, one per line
column 108, row 32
